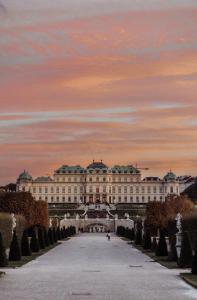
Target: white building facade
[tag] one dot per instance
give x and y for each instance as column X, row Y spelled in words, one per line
column 99, row 184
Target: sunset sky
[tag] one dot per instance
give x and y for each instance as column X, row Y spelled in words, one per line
column 98, row 79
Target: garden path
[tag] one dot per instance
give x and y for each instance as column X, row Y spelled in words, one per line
column 88, row 267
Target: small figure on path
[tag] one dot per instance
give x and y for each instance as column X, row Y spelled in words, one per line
column 108, row 235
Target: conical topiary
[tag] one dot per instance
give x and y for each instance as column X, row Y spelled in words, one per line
column 46, row 238
column 50, row 236
column 138, row 237
column 3, row 258
column 162, row 246
column 147, row 240
column 25, row 247
column 34, row 244
column 54, row 235
column 15, row 252
column 185, row 260
column 132, row 236
column 194, row 261
column 64, row 232
column 154, row 244
column 41, row 238
column 58, row 234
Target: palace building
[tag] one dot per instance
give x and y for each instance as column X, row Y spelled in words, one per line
column 99, row 183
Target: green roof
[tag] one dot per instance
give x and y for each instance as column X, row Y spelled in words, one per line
column 69, row 169
column 43, row 179
column 125, row 169
column 170, row 176
column 24, row 176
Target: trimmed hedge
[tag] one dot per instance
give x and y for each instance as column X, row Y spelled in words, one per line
column 15, row 251
column 6, row 228
column 22, row 203
column 3, row 258
column 25, row 246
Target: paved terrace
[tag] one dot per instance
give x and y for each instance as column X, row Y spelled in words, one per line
column 88, row 267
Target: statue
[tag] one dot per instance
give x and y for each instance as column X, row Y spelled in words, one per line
column 13, row 222
column 178, row 234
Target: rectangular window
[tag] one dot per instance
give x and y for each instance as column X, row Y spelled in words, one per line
column 46, row 190
column 57, row 190
column 125, row 189
column 137, row 190
column 34, row 190
column 154, row 189
column 52, row 190
column 40, row 190
column 143, row 190
column 63, row 190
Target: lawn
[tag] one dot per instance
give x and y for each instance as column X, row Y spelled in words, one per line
column 190, row 278
column 162, row 260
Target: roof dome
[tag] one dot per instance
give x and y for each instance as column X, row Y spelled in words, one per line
column 170, row 176
column 25, row 176
column 97, row 165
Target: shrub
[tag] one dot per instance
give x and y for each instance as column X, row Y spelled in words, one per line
column 34, row 244
column 58, row 233
column 64, row 233
column 189, row 224
column 54, row 235
column 46, row 238
column 22, row 203
column 120, row 231
column 132, row 236
column 15, row 252
column 50, row 236
column 41, row 238
column 3, row 259
column 6, row 229
column 194, row 261
column 162, row 246
column 185, row 259
column 25, row 247
column 154, row 244
column 147, row 240
column 138, row 237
